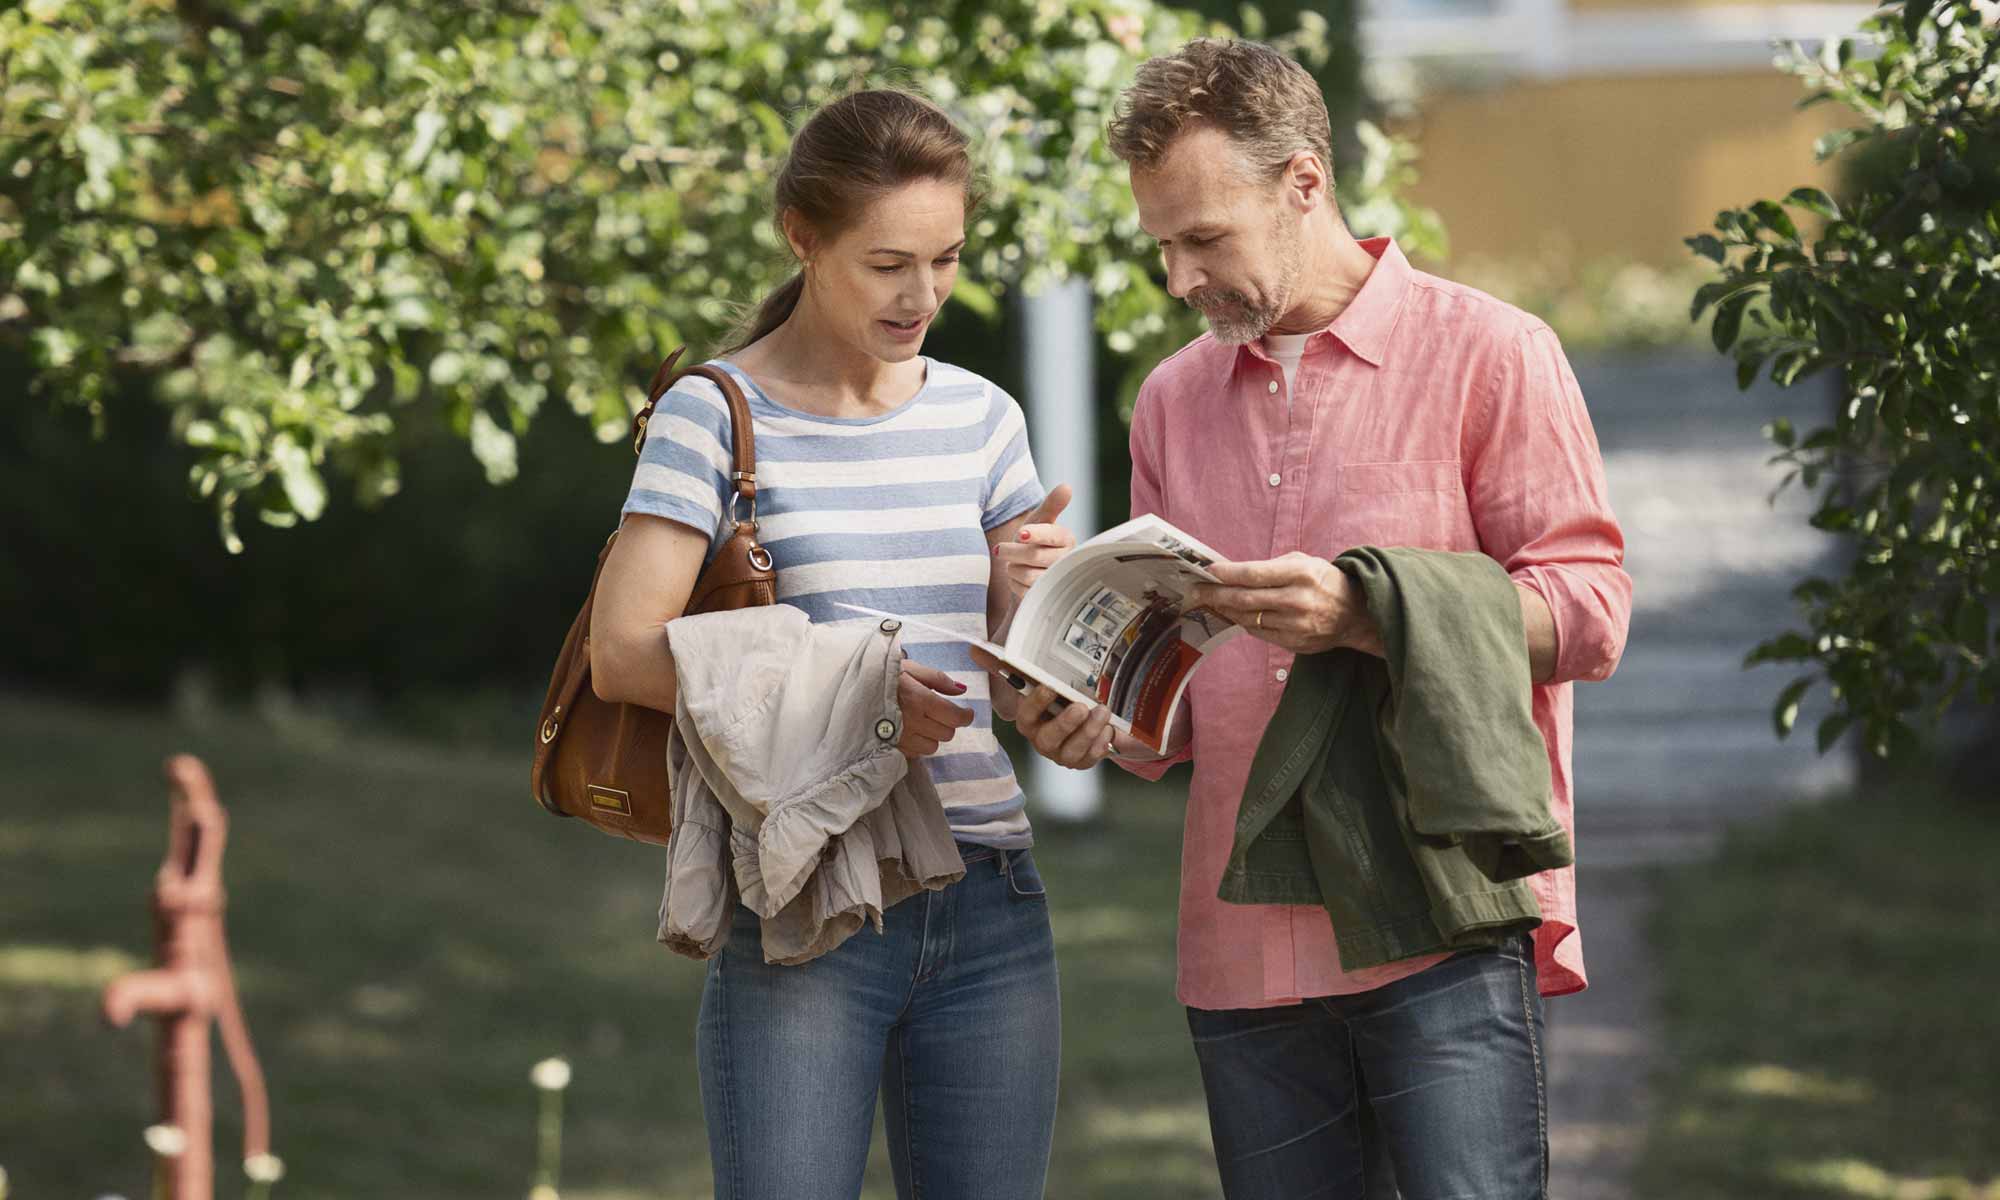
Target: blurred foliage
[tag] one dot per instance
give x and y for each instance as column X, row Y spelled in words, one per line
column 1594, row 305
column 261, row 199
column 312, row 222
column 1900, row 294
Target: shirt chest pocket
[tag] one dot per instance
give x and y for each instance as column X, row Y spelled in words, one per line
column 1402, row 504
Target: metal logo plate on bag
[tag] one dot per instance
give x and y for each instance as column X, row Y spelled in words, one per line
column 605, row 799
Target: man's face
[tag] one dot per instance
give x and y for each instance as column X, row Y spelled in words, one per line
column 1232, row 245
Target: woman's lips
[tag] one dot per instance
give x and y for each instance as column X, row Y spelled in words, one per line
column 907, row 329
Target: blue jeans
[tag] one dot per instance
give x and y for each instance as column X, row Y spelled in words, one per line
column 951, row 1012
column 1432, row 1085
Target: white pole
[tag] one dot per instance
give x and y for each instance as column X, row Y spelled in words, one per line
column 1062, row 431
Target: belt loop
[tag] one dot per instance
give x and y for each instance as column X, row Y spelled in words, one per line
column 1006, row 865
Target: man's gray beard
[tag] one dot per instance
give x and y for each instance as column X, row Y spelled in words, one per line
column 1240, row 323
column 1237, row 323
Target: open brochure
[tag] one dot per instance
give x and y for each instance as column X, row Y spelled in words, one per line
column 1109, row 624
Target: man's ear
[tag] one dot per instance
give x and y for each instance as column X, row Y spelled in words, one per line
column 1308, row 184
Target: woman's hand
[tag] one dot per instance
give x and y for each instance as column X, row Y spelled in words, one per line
column 1037, row 545
column 1076, row 736
column 929, row 720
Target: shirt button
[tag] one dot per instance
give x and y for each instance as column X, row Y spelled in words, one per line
column 885, row 729
column 1276, row 479
column 891, row 625
column 1282, row 674
column 1274, row 387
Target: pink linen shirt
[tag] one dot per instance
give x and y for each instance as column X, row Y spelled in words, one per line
column 1427, row 414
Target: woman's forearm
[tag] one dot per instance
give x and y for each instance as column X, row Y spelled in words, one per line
column 629, row 669
column 644, row 584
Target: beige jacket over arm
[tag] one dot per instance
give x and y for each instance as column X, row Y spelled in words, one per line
column 788, row 790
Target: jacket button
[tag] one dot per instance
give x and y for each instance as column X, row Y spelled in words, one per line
column 885, row 729
column 891, row 625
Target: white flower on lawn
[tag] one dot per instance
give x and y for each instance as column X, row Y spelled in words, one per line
column 167, row 1141
column 264, row 1168
column 551, row 1074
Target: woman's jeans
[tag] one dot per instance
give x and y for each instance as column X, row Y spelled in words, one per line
column 951, row 1011
column 1432, row 1084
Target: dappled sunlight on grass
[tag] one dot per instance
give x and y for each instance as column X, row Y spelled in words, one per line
column 1767, row 1079
column 66, row 967
column 1827, row 990
column 1183, row 1124
column 1865, row 1181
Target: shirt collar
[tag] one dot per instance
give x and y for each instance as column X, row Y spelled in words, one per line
column 1365, row 324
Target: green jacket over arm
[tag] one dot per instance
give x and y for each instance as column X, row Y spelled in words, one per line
column 1409, row 794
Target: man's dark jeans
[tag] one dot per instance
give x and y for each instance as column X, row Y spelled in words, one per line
column 1432, row 1084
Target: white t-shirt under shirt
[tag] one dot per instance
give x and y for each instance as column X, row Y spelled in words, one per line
column 1288, row 349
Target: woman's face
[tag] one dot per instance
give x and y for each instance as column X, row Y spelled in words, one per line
column 882, row 281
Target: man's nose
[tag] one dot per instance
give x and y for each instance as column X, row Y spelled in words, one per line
column 1182, row 277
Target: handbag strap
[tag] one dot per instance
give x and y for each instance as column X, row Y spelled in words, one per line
column 743, row 468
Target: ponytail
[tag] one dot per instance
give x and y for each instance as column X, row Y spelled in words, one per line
column 773, row 312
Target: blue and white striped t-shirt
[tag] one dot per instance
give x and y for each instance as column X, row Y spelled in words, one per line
column 889, row 512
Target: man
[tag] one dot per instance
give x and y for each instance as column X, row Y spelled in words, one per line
column 1342, row 398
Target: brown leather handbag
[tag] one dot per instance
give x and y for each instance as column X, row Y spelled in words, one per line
column 606, row 763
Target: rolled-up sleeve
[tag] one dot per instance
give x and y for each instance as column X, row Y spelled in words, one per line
column 1535, row 485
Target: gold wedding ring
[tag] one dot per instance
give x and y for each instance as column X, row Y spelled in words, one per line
column 1260, row 618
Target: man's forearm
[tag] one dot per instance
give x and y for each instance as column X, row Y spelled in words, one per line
column 1540, row 624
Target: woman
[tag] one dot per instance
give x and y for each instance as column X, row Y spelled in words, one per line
column 886, row 479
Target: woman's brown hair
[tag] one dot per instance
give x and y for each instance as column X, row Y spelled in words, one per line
column 850, row 152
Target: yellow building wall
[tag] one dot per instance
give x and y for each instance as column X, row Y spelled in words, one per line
column 1620, row 167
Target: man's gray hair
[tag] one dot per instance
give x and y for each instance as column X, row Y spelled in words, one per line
column 1270, row 106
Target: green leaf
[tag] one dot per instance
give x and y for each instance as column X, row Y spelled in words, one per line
column 1815, row 201
column 1785, row 713
column 304, row 490
column 1708, row 246
column 1775, row 220
column 494, row 447
column 1830, row 729
column 1709, row 293
column 1729, row 320
column 1786, row 647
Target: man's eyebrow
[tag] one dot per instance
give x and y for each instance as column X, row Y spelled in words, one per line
column 951, row 249
column 1205, row 229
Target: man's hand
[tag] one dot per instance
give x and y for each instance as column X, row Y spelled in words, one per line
column 1297, row 602
column 1038, row 545
column 929, row 720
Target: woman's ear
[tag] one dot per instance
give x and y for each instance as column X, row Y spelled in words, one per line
column 799, row 234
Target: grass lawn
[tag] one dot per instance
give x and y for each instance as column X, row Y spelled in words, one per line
column 1832, row 1008
column 412, row 933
